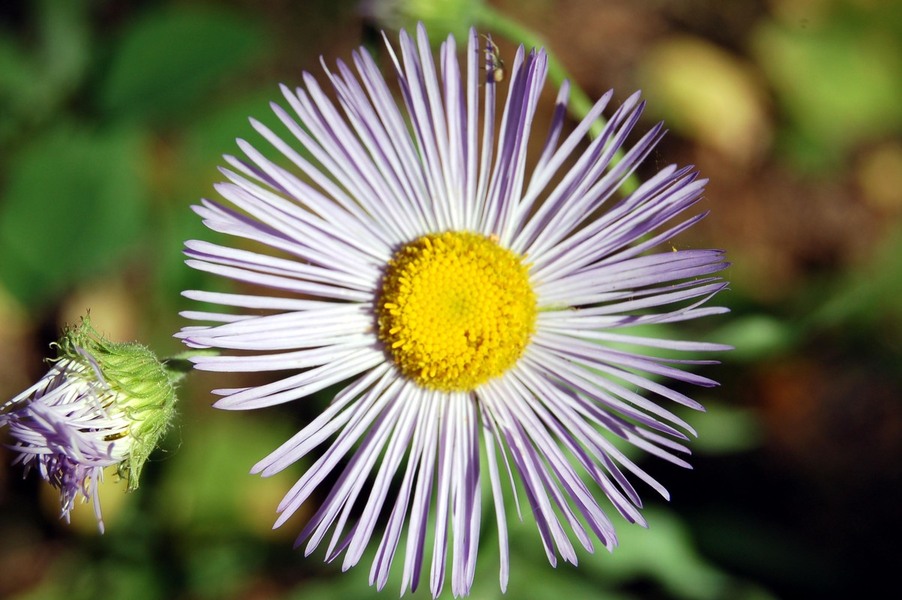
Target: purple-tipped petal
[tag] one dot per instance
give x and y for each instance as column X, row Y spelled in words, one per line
column 370, row 175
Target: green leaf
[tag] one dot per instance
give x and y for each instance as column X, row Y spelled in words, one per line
column 169, row 59
column 74, row 204
column 837, row 82
column 666, row 554
column 755, row 337
column 39, row 72
column 866, row 296
column 206, row 488
column 213, row 134
column 724, row 429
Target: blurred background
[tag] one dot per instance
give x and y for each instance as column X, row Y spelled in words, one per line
column 113, row 118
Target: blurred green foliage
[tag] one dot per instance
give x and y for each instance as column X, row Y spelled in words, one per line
column 150, row 80
column 837, row 78
column 65, row 188
column 38, row 73
column 88, row 127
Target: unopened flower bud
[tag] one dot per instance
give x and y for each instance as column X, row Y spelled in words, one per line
column 101, row 404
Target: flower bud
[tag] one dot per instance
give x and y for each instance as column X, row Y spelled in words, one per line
column 101, row 404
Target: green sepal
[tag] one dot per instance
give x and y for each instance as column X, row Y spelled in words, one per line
column 138, row 384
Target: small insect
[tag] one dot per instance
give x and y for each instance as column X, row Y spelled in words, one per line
column 494, row 64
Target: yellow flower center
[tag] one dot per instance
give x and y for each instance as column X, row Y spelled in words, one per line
column 456, row 310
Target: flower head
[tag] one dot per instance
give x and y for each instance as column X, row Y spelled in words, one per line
column 101, row 404
column 472, row 308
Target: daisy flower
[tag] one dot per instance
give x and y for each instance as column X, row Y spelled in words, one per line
column 101, row 405
column 473, row 310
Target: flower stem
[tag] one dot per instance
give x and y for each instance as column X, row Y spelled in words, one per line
column 579, row 104
column 180, row 365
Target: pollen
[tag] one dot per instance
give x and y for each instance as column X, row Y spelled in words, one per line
column 456, row 309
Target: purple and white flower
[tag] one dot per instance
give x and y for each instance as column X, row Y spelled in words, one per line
column 101, row 405
column 474, row 302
